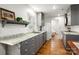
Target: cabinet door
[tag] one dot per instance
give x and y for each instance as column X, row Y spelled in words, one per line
column 2, row 49
column 40, row 40
column 13, row 50
column 34, row 45
column 37, row 42
column 25, row 47
column 28, row 47
column 45, row 36
column 75, row 14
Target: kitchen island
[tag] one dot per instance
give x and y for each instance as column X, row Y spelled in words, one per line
column 24, row 43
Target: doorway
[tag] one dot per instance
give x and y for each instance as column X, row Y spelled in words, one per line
column 58, row 25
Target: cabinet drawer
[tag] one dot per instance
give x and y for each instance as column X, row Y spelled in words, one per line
column 28, row 51
column 27, row 46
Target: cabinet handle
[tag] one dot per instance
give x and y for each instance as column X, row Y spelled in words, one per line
column 26, row 50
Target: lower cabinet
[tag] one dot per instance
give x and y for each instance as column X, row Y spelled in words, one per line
column 13, row 50
column 2, row 49
column 27, row 47
column 44, row 36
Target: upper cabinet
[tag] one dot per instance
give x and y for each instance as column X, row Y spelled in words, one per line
column 40, row 19
column 75, row 14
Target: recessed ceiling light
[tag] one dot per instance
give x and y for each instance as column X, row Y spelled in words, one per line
column 35, row 8
column 54, row 7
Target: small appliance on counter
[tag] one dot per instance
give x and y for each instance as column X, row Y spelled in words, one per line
column 68, row 28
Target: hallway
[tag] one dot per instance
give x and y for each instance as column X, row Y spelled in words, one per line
column 53, row 46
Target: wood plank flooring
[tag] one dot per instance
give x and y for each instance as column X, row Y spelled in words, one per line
column 53, row 46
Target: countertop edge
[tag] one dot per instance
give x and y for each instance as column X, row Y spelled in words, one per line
column 11, row 44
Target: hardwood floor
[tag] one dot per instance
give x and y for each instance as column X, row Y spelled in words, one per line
column 53, row 46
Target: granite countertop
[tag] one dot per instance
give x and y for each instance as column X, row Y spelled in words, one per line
column 71, row 32
column 12, row 40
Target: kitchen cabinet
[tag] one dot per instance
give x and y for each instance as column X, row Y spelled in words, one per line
column 40, row 19
column 13, row 50
column 75, row 14
column 27, row 47
column 72, row 37
column 2, row 49
column 44, row 36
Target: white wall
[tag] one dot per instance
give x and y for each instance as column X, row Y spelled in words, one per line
column 20, row 10
column 54, row 24
column 58, row 25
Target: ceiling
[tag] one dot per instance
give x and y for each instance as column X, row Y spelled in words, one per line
column 48, row 8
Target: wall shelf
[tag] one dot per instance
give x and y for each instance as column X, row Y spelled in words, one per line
column 4, row 22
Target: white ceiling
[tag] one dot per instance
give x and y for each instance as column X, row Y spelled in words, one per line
column 48, row 8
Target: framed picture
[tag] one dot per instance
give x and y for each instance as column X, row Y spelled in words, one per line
column 6, row 14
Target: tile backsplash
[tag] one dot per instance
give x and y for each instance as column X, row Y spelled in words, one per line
column 12, row 29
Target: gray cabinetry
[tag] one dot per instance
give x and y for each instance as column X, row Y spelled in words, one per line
column 44, row 36
column 72, row 37
column 31, row 46
column 75, row 14
column 27, row 47
column 2, row 49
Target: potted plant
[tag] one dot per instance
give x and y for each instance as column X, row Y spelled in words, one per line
column 18, row 19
